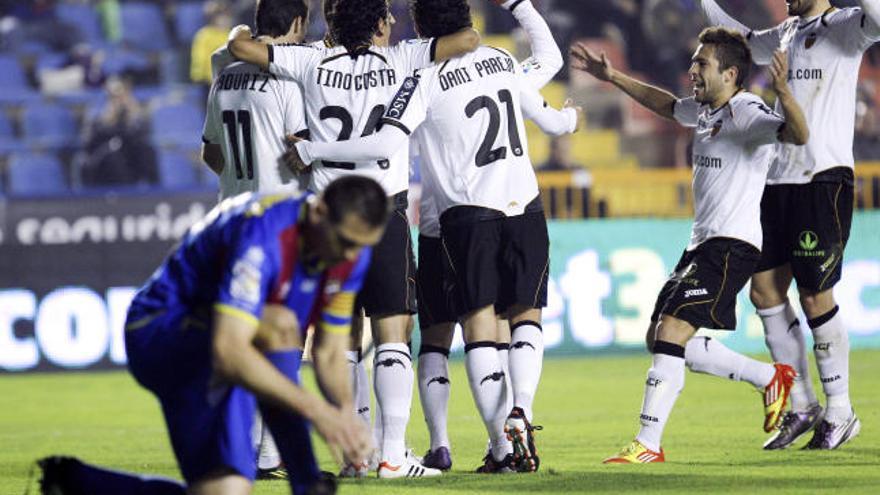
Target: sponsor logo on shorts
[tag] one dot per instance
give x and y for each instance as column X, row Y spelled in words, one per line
column 822, row 346
column 808, row 241
column 653, row 382
column 695, row 292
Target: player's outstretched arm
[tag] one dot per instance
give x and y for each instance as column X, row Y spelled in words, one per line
column 546, row 59
column 244, row 48
column 657, row 100
column 550, row 120
column 212, row 155
column 236, row 360
column 718, row 17
column 795, row 129
column 456, row 44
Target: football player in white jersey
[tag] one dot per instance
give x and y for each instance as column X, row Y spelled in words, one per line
column 807, row 208
column 475, row 152
column 436, row 318
column 251, row 110
column 732, row 150
column 346, row 89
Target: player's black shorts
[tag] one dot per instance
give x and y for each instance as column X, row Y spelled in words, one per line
column 434, row 288
column 390, row 285
column 496, row 259
column 703, row 287
column 808, row 225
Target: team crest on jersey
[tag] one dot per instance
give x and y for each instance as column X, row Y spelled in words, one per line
column 811, row 40
column 717, row 128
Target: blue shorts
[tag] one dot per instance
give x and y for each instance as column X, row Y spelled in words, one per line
column 209, row 422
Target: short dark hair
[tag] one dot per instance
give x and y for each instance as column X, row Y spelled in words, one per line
column 273, row 18
column 328, row 7
column 359, row 195
column 353, row 23
column 435, row 18
column 731, row 50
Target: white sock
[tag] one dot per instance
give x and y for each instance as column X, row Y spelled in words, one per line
column 707, row 355
column 832, row 358
column 526, row 358
column 268, row 456
column 664, row 383
column 785, row 339
column 487, row 386
column 394, row 381
column 504, row 357
column 362, row 392
column 434, row 389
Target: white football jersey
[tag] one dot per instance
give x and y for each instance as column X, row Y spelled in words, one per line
column 824, row 55
column 346, row 97
column 472, row 137
column 733, row 148
column 249, row 113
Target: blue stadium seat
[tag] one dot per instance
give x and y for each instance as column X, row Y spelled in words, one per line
column 189, row 18
column 11, row 74
column 36, row 174
column 178, row 124
column 85, row 18
column 143, row 26
column 176, row 170
column 8, row 142
column 49, row 124
column 120, row 60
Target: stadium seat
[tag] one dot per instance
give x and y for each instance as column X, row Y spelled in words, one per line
column 176, row 170
column 178, row 124
column 189, row 18
column 36, row 174
column 84, row 17
column 143, row 26
column 12, row 76
column 9, row 143
column 48, row 124
column 119, row 60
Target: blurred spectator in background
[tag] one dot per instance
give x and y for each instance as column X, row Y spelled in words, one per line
column 36, row 21
column 866, row 142
column 207, row 40
column 117, row 149
column 560, row 156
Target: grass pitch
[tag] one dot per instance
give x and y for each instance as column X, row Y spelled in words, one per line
column 588, row 407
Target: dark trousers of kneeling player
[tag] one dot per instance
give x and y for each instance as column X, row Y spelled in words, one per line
column 209, row 422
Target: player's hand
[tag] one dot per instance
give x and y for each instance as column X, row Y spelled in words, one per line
column 291, row 158
column 579, row 110
column 779, row 72
column 586, row 60
column 240, row 32
column 346, row 433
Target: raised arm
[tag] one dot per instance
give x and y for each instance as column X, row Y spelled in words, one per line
column 718, row 17
column 763, row 43
column 657, row 100
column 546, row 58
column 871, row 8
column 795, row 129
column 456, row 44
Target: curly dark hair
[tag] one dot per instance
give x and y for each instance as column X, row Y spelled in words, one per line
column 435, row 18
column 353, row 23
column 273, row 18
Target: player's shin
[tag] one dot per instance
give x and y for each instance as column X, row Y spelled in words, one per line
column 662, row 387
column 831, row 348
column 709, row 356
column 393, row 379
column 434, row 388
column 69, row 475
column 785, row 339
column 291, row 431
column 526, row 359
column 486, row 380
